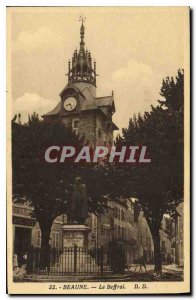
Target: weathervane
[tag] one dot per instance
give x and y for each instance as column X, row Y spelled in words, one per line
column 82, row 19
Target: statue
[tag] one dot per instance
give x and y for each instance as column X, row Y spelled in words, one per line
column 78, row 206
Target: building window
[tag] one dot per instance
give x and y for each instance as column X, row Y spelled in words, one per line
column 39, row 239
column 55, row 239
column 118, row 213
column 129, row 218
column 163, row 246
column 102, row 231
column 123, row 233
column 167, row 224
column 119, row 231
column 108, row 232
column 123, row 215
column 115, row 212
column 75, row 125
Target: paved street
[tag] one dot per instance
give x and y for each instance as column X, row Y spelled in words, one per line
column 170, row 273
column 165, row 268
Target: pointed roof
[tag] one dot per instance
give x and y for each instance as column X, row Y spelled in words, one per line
column 80, row 69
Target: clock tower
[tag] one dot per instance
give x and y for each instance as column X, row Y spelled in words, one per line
column 79, row 106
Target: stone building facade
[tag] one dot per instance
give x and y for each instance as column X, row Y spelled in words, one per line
column 119, row 223
column 26, row 230
column 177, row 236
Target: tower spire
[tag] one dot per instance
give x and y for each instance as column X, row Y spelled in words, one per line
column 82, row 69
column 82, row 30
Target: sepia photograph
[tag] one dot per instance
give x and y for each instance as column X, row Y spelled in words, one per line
column 98, row 150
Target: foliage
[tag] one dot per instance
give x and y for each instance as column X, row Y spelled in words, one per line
column 158, row 185
column 48, row 186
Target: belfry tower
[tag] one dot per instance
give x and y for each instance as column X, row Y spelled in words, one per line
column 79, row 106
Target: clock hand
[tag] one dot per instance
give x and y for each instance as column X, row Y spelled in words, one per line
column 68, row 104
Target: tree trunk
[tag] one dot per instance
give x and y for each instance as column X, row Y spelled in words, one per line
column 157, row 252
column 154, row 229
column 45, row 227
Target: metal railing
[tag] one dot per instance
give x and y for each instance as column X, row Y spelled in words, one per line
column 67, row 261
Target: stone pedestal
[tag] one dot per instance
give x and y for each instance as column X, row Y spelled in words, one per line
column 75, row 234
column 75, row 257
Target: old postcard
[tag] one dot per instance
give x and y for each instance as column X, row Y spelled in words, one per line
column 98, row 150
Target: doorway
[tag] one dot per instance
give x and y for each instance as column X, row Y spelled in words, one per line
column 22, row 243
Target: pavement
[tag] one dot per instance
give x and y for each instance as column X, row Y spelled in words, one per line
column 169, row 273
column 149, row 268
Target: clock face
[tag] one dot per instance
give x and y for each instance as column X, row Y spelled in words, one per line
column 70, row 104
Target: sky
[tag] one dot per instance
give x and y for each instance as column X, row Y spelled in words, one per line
column 134, row 47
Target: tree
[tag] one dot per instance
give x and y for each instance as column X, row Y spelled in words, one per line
column 172, row 91
column 48, row 186
column 159, row 184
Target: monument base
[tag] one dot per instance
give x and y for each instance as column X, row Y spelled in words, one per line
column 76, row 257
column 75, row 235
